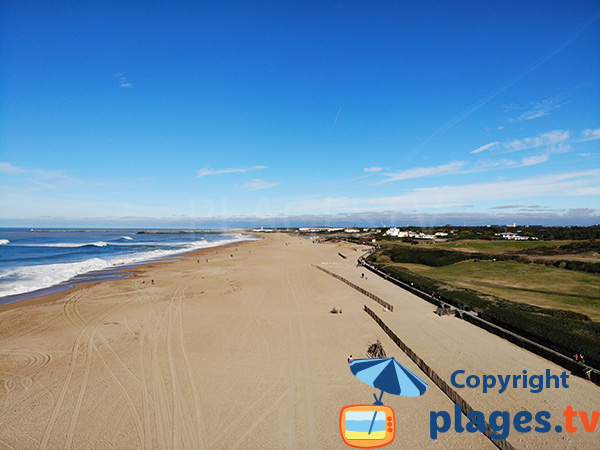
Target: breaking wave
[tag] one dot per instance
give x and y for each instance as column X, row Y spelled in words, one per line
column 20, row 280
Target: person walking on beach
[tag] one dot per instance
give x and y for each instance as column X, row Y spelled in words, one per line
column 349, row 359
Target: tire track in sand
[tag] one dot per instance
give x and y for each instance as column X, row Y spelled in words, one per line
column 310, row 407
column 155, row 328
column 292, row 355
column 183, row 433
column 36, row 361
column 253, row 327
column 198, row 421
column 73, row 315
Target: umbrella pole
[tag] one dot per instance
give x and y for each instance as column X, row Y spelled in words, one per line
column 377, row 402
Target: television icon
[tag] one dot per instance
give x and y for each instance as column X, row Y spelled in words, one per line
column 367, row 426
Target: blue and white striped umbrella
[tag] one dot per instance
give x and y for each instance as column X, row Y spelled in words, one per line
column 389, row 376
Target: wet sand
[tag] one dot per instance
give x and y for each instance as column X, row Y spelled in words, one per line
column 241, row 352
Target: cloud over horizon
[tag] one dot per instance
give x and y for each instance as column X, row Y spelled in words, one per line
column 123, row 83
column 204, row 172
column 258, row 184
column 545, row 139
column 419, row 172
column 485, row 147
column 590, row 135
column 562, row 184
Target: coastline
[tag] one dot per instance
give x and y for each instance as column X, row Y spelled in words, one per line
column 243, row 352
column 109, row 274
column 135, row 231
column 114, row 272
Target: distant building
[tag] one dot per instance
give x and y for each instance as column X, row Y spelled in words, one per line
column 263, row 230
column 395, row 232
column 516, row 237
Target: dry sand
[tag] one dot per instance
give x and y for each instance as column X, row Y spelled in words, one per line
column 241, row 352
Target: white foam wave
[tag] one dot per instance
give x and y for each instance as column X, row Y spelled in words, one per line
column 4, row 242
column 32, row 278
column 69, row 244
column 112, row 243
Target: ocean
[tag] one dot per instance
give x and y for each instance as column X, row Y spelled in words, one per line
column 38, row 262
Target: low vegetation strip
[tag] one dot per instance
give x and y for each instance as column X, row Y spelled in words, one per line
column 358, row 288
column 429, row 257
column 439, row 381
column 438, row 257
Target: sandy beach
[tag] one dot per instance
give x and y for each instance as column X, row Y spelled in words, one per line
column 234, row 347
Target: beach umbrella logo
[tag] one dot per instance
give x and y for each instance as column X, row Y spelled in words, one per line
column 372, row 426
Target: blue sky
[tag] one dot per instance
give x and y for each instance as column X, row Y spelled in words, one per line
column 182, row 113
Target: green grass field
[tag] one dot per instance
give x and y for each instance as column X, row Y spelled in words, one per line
column 527, row 283
column 497, row 246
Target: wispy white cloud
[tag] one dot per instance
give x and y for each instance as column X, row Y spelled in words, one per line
column 590, row 135
column 485, row 147
column 462, row 167
column 533, row 160
column 204, row 172
column 535, row 110
column 507, row 207
column 419, row 172
column 534, row 66
column 123, row 83
column 10, row 169
column 562, row 184
column 373, row 169
column 558, row 149
column 593, row 190
column 546, row 139
column 258, row 183
column 6, row 167
column 483, row 166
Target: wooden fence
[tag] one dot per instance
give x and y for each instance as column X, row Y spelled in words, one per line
column 358, row 288
column 502, row 444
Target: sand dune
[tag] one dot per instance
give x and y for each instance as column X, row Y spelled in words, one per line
column 241, row 352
